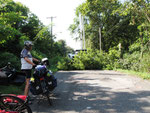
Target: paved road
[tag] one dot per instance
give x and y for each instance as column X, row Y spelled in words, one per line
column 97, row 92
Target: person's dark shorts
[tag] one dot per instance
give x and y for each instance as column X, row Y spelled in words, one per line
column 27, row 72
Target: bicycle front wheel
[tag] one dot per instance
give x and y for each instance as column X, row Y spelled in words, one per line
column 13, row 103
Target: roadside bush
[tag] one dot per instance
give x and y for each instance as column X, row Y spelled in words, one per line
column 129, row 62
column 78, row 61
column 145, row 63
column 84, row 60
column 9, row 57
column 112, row 57
column 92, row 59
column 65, row 64
column 131, row 59
column 54, row 63
column 100, row 60
column 55, row 60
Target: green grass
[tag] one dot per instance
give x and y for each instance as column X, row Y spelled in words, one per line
column 139, row 74
column 11, row 89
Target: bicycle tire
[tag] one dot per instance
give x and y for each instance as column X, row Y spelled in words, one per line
column 48, row 98
column 14, row 104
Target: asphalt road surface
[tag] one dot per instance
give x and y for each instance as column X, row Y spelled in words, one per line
column 96, row 92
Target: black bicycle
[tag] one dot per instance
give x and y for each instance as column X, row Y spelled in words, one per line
column 43, row 82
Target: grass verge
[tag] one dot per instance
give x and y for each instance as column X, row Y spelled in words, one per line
column 139, row 74
column 12, row 89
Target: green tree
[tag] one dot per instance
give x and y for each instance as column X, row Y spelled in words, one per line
column 116, row 28
column 18, row 24
column 12, row 17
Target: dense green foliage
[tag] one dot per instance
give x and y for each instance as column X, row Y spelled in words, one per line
column 18, row 24
column 122, row 24
column 124, row 29
column 90, row 59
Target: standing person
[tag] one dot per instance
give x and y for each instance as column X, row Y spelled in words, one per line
column 27, row 63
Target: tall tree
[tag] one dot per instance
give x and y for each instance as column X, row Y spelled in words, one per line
column 12, row 17
column 115, row 28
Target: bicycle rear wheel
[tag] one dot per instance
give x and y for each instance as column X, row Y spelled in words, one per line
column 13, row 103
column 48, row 98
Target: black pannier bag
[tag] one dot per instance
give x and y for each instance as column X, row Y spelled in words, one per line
column 51, row 81
column 41, row 72
column 35, row 87
column 3, row 78
column 8, row 75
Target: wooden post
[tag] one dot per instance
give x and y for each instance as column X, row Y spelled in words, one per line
column 100, row 39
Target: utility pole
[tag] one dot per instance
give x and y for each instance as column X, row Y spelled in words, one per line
column 51, row 24
column 82, row 30
column 80, row 17
column 100, row 39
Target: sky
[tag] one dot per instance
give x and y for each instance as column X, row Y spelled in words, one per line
column 64, row 13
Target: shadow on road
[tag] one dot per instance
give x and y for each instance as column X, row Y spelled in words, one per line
column 74, row 94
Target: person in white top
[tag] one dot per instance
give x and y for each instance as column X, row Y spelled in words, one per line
column 27, row 63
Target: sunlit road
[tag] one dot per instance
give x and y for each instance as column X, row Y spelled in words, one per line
column 97, row 92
